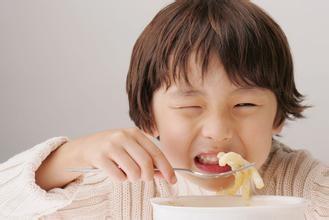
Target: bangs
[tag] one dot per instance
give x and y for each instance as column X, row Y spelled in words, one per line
column 241, row 39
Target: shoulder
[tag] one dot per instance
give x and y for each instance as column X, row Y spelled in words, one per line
column 286, row 170
column 284, row 158
column 293, row 172
column 284, row 151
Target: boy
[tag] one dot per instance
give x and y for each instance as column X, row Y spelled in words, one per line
column 205, row 77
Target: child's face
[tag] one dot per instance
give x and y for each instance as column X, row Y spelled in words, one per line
column 212, row 117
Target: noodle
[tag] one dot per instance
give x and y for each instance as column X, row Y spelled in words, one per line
column 242, row 178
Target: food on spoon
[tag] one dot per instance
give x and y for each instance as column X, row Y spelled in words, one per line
column 242, row 178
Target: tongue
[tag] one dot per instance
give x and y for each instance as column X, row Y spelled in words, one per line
column 212, row 168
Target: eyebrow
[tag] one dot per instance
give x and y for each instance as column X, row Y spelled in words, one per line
column 249, row 89
column 186, row 92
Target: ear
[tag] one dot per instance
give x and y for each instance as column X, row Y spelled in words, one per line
column 277, row 130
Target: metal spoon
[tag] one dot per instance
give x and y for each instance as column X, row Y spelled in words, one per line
column 192, row 172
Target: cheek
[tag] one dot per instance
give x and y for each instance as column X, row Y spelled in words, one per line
column 175, row 137
column 256, row 135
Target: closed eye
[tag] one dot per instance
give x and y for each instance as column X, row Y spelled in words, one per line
column 182, row 107
column 245, row 105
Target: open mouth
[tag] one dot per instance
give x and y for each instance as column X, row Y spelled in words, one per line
column 208, row 162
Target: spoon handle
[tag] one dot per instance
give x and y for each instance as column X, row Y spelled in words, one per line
column 93, row 170
column 195, row 173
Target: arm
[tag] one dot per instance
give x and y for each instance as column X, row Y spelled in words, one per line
column 316, row 190
column 20, row 195
column 24, row 181
column 128, row 149
column 51, row 174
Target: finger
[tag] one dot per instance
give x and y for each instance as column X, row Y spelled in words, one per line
column 141, row 157
column 159, row 159
column 111, row 169
column 158, row 174
column 126, row 163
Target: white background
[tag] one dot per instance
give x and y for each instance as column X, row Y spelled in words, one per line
column 63, row 65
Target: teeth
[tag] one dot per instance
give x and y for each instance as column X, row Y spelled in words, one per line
column 208, row 159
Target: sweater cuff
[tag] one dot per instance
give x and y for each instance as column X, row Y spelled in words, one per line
column 27, row 198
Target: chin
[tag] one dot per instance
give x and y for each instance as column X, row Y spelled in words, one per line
column 212, row 185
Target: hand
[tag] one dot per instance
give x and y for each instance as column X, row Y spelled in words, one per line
column 123, row 154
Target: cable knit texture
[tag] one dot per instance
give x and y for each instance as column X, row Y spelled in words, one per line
column 286, row 172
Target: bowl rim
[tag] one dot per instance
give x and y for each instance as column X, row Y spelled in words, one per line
column 295, row 202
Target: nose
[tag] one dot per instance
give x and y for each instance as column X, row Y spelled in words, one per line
column 218, row 127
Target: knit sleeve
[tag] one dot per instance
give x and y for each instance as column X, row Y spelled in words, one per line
column 20, row 195
column 317, row 192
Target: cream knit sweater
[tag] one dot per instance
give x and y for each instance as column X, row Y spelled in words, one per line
column 286, row 172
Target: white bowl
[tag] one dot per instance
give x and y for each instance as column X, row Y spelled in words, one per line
column 229, row 208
